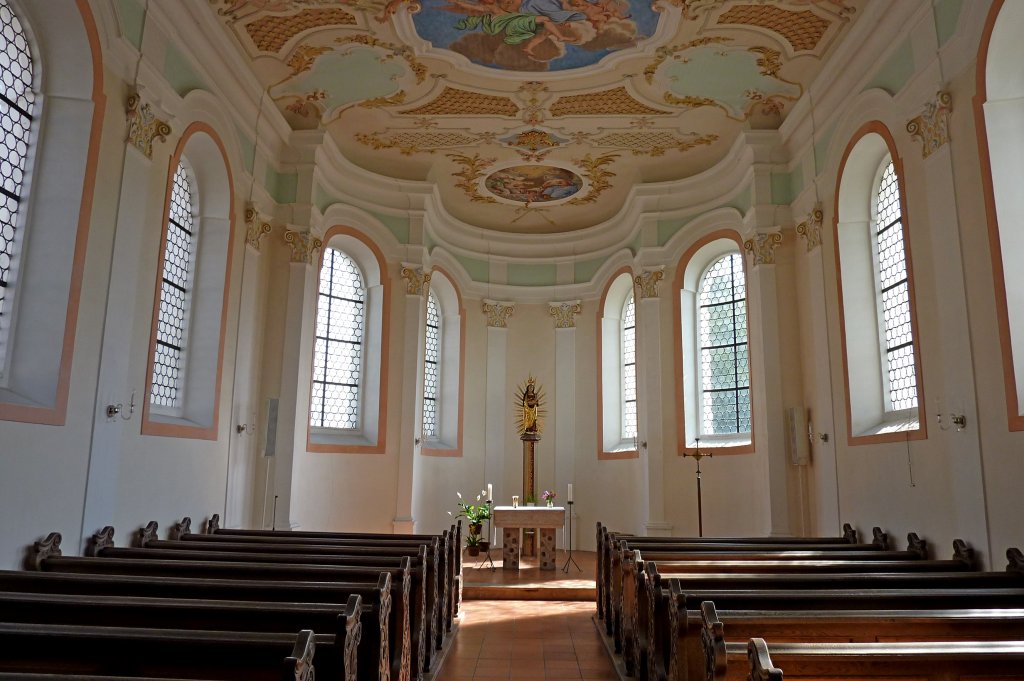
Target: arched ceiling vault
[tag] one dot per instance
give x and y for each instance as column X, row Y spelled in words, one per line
column 535, row 117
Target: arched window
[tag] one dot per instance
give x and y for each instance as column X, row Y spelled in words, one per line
column 617, row 369
column 722, row 337
column 629, row 368
column 175, row 291
column 338, row 349
column 17, row 100
column 893, row 291
column 876, row 293
column 431, row 369
column 999, row 115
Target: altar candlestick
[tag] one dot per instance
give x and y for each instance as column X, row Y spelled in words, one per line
column 570, row 492
column 490, row 491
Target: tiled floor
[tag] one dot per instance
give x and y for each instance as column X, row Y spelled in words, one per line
column 475, row 570
column 526, row 641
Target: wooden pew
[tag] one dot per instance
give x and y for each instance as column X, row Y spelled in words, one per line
column 625, row 575
column 421, row 618
column 606, row 537
column 32, row 676
column 338, row 660
column 375, row 655
column 451, row 549
column 613, row 548
column 949, row 661
column 644, row 617
column 680, row 609
column 708, row 658
column 45, row 556
column 436, row 603
column 162, row 653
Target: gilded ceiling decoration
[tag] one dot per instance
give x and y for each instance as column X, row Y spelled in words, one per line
column 535, row 116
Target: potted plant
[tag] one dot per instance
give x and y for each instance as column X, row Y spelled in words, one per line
column 473, row 542
column 531, row 500
column 549, row 496
column 475, row 514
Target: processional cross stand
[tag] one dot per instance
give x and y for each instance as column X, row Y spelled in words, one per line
column 697, row 456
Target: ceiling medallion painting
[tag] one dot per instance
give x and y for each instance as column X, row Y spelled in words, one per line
column 534, row 116
column 535, row 35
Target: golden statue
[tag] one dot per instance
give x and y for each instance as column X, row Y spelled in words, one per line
column 530, row 409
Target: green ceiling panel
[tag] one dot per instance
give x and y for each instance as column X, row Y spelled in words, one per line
column 132, row 17
column 896, row 70
column 532, row 275
column 947, row 14
column 282, row 187
column 478, row 270
column 398, row 225
column 585, row 271
column 179, row 72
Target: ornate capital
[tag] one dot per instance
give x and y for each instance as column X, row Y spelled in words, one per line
column 810, row 228
column 498, row 313
column 143, row 125
column 565, row 313
column 647, row 282
column 303, row 244
column 762, row 247
column 931, row 126
column 255, row 228
column 417, row 282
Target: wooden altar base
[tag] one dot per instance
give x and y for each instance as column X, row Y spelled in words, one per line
column 530, row 583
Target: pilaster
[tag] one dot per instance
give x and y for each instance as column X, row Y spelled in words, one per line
column 564, row 317
column 417, row 288
column 497, row 314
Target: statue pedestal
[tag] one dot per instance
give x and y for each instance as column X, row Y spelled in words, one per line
column 530, row 440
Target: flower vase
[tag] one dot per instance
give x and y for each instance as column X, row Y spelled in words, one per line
column 551, row 503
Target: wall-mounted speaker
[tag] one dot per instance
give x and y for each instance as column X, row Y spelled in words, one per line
column 270, row 445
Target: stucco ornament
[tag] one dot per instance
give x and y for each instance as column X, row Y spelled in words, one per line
column 255, row 228
column 303, row 244
column 565, row 313
column 647, row 282
column 810, row 228
column 932, row 125
column 761, row 247
column 498, row 313
column 143, row 125
column 417, row 282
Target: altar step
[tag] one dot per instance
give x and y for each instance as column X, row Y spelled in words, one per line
column 530, row 583
column 528, row 592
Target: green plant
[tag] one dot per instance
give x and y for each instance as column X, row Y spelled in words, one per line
column 474, row 540
column 530, row 499
column 473, row 513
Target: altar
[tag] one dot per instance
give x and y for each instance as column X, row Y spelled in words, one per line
column 513, row 519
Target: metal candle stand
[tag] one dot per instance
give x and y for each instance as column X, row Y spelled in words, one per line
column 697, row 456
column 487, row 559
column 570, row 559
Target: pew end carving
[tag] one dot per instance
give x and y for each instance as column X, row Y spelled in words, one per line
column 213, row 524
column 1016, row 560
column 299, row 665
column 761, row 668
column 180, row 529
column 41, row 550
column 849, row 533
column 100, row 540
column 917, row 545
column 353, row 628
column 879, row 538
column 712, row 641
column 147, row 534
column 964, row 553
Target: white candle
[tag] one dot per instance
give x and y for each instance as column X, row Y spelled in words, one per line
column 570, row 492
column 490, row 492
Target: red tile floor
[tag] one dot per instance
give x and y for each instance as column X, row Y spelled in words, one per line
column 526, row 640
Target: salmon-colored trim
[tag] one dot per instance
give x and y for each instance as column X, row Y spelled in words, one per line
column 921, row 432
column 677, row 334
column 56, row 415
column 157, row 428
column 1014, row 418
column 385, row 356
column 601, row 454
column 438, row 451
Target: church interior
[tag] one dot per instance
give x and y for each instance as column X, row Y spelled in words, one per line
column 297, row 262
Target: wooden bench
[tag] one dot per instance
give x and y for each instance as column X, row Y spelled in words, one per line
column 253, row 581
column 421, row 617
column 341, row 622
column 605, row 537
column 451, row 549
column 436, row 598
column 708, row 657
column 161, row 653
column 949, row 661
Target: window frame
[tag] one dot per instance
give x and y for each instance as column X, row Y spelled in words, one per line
column 854, row 219
column 434, row 436
column 624, row 434
column 690, row 270
column 452, row 355
column 611, row 444
column 371, row 438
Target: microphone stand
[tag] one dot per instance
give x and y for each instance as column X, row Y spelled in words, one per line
column 488, row 559
column 569, row 558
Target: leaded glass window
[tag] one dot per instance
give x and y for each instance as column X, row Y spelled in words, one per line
column 724, row 365
column 629, row 369
column 175, row 292
column 431, row 368
column 16, row 103
column 338, row 349
column 894, row 295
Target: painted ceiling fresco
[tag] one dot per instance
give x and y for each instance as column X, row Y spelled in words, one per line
column 536, row 116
